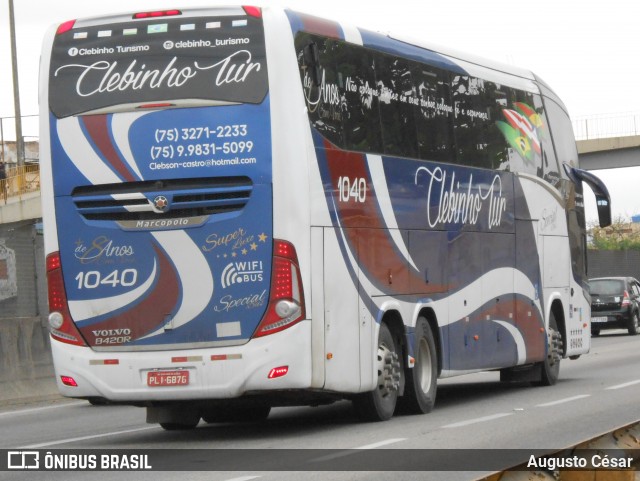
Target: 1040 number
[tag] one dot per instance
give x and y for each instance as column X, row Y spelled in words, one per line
column 93, row 279
column 352, row 190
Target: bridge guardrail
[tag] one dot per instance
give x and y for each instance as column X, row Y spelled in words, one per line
column 20, row 180
column 606, row 125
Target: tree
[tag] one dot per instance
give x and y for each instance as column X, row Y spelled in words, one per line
column 620, row 235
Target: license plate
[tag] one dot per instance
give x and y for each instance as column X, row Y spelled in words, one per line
column 167, row 378
column 598, row 319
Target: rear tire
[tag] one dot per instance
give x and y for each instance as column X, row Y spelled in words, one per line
column 634, row 328
column 421, row 381
column 379, row 404
column 595, row 332
column 550, row 367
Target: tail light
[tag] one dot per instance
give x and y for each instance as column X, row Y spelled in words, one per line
column 61, row 326
column 156, row 14
column 286, row 302
column 253, row 11
column 68, row 381
column 626, row 301
column 65, row 27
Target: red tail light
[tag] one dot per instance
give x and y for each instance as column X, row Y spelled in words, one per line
column 626, row 301
column 286, row 301
column 65, row 27
column 156, row 14
column 278, row 372
column 68, row 381
column 253, row 11
column 61, row 326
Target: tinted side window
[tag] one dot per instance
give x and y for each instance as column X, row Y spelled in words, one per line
column 434, row 114
column 360, row 102
column 548, row 167
column 375, row 102
column 344, row 106
column 396, row 89
column 324, row 101
column 476, row 105
column 561, row 133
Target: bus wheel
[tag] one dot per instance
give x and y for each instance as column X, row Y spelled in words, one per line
column 174, row 417
column 236, row 414
column 550, row 368
column 379, row 404
column 421, row 381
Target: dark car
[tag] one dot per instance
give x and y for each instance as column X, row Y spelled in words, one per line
column 615, row 304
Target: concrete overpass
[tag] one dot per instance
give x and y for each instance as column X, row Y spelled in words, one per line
column 609, row 152
column 26, row 206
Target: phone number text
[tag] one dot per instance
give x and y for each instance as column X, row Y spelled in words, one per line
column 190, row 150
column 200, row 133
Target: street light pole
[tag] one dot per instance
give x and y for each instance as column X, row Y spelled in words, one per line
column 16, row 89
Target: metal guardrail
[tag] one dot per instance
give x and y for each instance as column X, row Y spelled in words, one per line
column 20, row 180
column 606, row 125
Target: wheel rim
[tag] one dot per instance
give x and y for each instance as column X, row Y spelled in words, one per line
column 555, row 346
column 424, row 364
column 388, row 371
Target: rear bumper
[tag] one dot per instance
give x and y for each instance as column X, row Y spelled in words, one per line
column 614, row 319
column 214, row 373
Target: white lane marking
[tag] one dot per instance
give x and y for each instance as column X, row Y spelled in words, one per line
column 84, row 438
column 626, row 384
column 562, row 401
column 381, row 443
column 477, row 420
column 349, row 452
column 244, row 478
column 43, row 408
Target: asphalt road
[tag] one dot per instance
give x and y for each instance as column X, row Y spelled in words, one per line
column 595, row 394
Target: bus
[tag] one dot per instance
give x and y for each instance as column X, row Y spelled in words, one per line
column 250, row 207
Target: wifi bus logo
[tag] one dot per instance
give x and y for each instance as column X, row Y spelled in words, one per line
column 241, row 272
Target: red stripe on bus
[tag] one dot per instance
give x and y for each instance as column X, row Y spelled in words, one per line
column 99, row 132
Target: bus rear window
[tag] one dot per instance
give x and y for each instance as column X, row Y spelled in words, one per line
column 207, row 59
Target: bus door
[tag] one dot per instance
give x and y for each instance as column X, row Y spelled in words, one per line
column 342, row 313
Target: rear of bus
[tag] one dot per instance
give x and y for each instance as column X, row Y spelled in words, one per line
column 165, row 280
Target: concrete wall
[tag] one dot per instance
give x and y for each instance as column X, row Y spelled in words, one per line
column 613, row 263
column 25, row 356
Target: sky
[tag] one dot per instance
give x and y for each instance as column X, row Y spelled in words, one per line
column 586, row 51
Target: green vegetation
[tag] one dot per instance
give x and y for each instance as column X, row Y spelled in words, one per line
column 620, row 235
